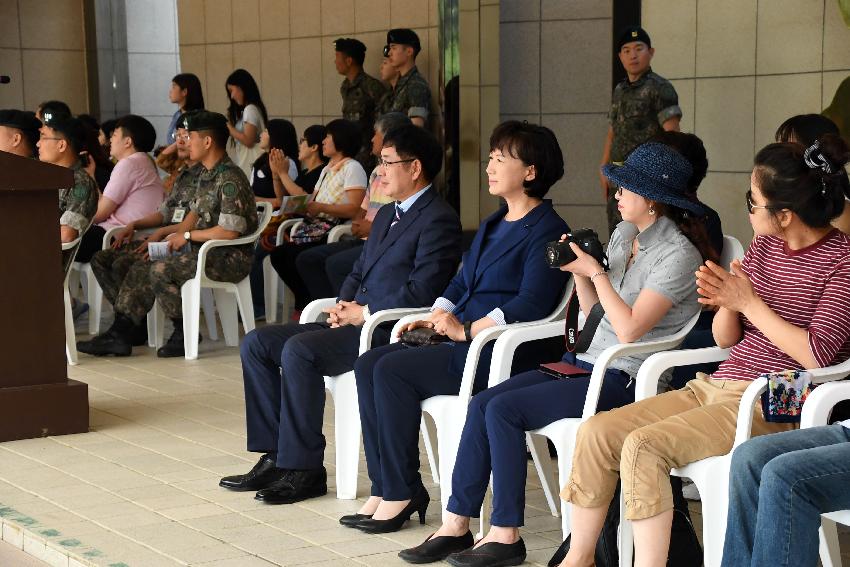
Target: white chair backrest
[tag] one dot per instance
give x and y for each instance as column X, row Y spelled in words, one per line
column 265, row 211
column 732, row 249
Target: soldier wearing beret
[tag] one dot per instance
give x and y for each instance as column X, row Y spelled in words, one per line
column 120, row 269
column 360, row 93
column 19, row 132
column 642, row 105
column 223, row 208
column 411, row 94
column 61, row 142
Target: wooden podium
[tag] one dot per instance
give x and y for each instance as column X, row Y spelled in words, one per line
column 36, row 397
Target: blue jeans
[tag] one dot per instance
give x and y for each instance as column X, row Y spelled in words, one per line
column 779, row 486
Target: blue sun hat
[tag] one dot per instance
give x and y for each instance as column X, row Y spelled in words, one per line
column 656, row 172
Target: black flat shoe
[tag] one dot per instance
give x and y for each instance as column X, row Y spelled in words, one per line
column 352, row 520
column 418, row 503
column 490, row 555
column 263, row 475
column 296, row 486
column 107, row 344
column 437, row 548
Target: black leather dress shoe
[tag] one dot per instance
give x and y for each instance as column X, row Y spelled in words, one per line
column 419, row 503
column 490, row 555
column 352, row 520
column 296, row 486
column 437, row 548
column 264, row 473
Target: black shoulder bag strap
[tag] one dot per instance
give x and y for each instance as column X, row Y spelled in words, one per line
column 578, row 341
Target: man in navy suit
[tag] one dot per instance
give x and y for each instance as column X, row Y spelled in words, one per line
column 412, row 252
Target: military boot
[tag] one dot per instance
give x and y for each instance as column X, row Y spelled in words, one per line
column 174, row 346
column 117, row 340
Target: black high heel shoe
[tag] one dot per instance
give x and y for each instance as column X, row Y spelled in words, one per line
column 419, row 503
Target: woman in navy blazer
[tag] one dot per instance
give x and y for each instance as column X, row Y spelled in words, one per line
column 504, row 279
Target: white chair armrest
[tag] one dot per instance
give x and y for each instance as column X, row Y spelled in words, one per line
column 509, row 341
column 379, row 317
column 109, row 235
column 338, row 232
column 294, row 226
column 820, row 402
column 313, row 312
column 646, row 382
column 284, row 227
column 751, row 397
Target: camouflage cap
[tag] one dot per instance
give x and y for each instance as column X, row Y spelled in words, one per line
column 205, row 120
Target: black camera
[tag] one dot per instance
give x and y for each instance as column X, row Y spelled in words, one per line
column 560, row 254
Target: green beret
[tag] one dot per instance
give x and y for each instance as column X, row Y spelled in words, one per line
column 205, row 120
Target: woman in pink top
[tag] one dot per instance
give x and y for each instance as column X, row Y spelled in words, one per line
column 134, row 189
column 785, row 306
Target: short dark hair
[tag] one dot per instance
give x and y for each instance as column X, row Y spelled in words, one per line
column 534, row 145
column 108, row 126
column 346, row 136
column 138, row 129
column 73, row 131
column 787, row 182
column 691, row 148
column 805, row 129
column 194, row 92
column 413, row 142
column 219, row 136
column 390, row 120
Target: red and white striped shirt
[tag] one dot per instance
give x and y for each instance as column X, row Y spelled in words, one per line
column 809, row 288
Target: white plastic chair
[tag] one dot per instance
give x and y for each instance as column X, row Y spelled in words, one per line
column 93, row 291
column 70, row 333
column 343, row 389
column 273, row 287
column 710, row 475
column 443, row 417
column 562, row 432
column 816, row 412
column 228, row 296
column 732, row 249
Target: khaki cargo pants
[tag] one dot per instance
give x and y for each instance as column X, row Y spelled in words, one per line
column 643, row 441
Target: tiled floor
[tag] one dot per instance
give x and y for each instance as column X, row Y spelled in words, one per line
column 140, row 489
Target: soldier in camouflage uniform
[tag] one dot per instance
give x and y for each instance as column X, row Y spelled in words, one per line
column 360, row 93
column 223, row 209
column 125, row 261
column 61, row 141
column 642, row 105
column 411, row 95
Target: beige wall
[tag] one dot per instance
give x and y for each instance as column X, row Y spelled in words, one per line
column 287, row 46
column 556, row 70
column 741, row 67
column 42, row 47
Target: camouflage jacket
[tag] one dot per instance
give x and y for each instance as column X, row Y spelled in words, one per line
column 224, row 198
column 411, row 96
column 638, row 111
column 360, row 98
column 78, row 204
column 182, row 194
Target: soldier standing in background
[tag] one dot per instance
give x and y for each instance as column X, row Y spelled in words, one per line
column 360, row 93
column 411, row 94
column 642, row 105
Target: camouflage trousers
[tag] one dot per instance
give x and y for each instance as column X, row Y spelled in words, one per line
column 132, row 284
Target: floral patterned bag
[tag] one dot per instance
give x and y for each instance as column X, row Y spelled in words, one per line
column 786, row 392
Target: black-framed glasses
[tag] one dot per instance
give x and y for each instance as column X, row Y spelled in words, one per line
column 751, row 206
column 385, row 164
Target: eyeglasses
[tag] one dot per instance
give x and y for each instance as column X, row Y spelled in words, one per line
column 751, row 207
column 184, row 137
column 385, row 164
column 49, row 138
column 302, row 140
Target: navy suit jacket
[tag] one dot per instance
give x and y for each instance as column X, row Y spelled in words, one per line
column 409, row 264
column 511, row 274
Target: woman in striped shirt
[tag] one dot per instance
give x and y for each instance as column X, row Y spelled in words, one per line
column 786, row 305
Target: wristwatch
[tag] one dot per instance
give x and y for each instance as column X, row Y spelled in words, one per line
column 467, row 331
column 188, row 235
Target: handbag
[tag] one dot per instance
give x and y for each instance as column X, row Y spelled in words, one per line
column 422, row 336
column 786, row 392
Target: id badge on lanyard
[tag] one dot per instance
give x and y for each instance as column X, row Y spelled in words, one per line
column 178, row 215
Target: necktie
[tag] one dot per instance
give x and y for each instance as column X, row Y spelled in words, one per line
column 398, row 214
